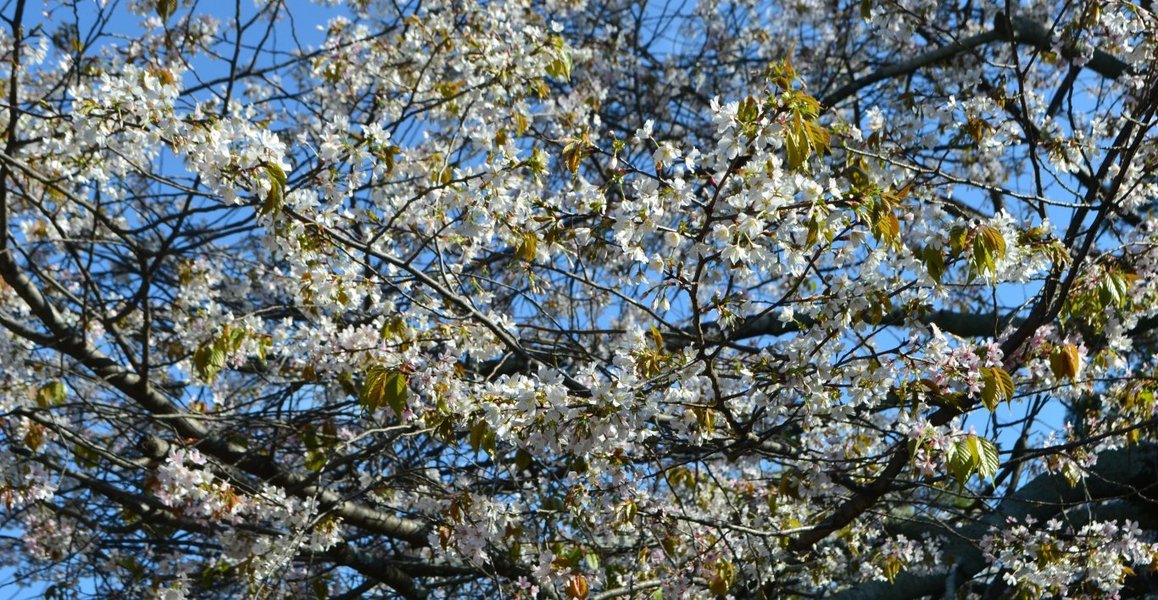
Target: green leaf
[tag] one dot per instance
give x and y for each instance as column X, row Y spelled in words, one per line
column 813, row 231
column 315, row 460
column 395, row 392
column 723, row 578
column 523, row 459
column 389, row 156
column 998, row 386
column 958, row 238
column 1004, row 383
column 395, row 328
column 887, row 228
column 309, row 437
column 482, row 437
column 796, row 145
column 657, row 338
column 373, row 393
column 320, row 588
column 802, row 134
column 989, row 390
column 276, row 173
column 346, row 380
column 1114, row 288
column 277, row 182
column 960, row 462
column 51, row 394
column 477, row 432
column 264, row 343
column 87, row 457
column 983, row 259
column 208, row 360
column 977, row 128
column 934, row 262
column 384, row 387
column 561, row 63
column 992, row 239
column 818, row 136
column 892, row 567
column 573, row 154
column 985, row 456
column 748, row 111
column 973, row 455
column 988, row 248
column 782, row 74
column 34, row 437
column 166, row 8
column 234, row 337
column 560, row 68
column 1065, row 361
column 528, row 247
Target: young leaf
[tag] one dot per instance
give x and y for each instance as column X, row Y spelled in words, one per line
column 315, row 460
column 165, row 9
column 276, row 173
column 892, row 567
column 208, row 360
column 748, row 111
column 395, row 328
column 561, row 63
column 577, row 587
column 1005, row 383
column 782, row 74
column 528, row 247
column 656, row 338
column 973, row 455
column 795, row 147
column 989, row 390
column 572, row 156
column 988, row 248
column 277, row 182
column 1065, row 362
column 998, row 386
column 992, row 239
column 958, row 238
column 477, row 432
column 960, row 462
column 50, row 394
column 34, row 437
column 934, row 262
column 723, row 578
column 373, row 391
column 394, row 392
column 985, row 455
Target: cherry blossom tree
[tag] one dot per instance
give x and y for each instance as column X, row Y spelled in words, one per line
column 579, row 299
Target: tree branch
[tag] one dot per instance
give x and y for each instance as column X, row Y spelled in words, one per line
column 1019, row 30
column 1129, row 473
column 65, row 340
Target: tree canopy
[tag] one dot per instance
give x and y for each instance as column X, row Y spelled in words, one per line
column 579, row 299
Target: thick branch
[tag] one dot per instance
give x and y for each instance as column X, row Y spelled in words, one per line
column 958, row 323
column 1020, row 30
